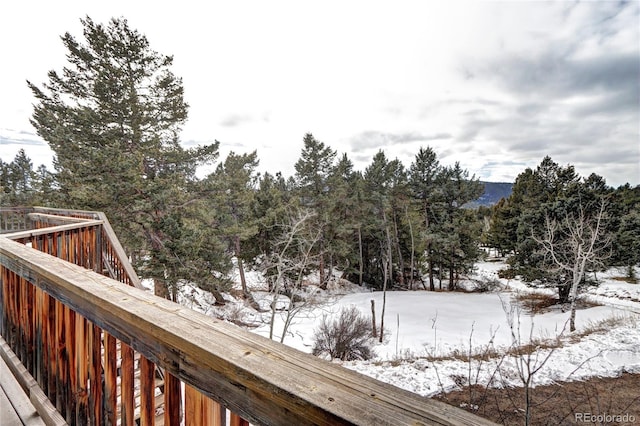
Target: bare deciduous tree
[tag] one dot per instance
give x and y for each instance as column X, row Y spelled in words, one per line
column 575, row 244
column 287, row 268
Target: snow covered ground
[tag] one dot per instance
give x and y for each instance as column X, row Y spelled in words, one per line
column 424, row 329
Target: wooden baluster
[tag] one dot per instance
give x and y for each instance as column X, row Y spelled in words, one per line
column 82, row 371
column 192, row 406
column 219, row 414
column 71, row 379
column 61, row 360
column 172, row 400
column 127, row 399
column 94, row 337
column 236, row 420
column 147, row 392
column 52, row 350
column 39, row 350
column 110, row 380
column 23, row 323
column 3, row 299
column 32, row 328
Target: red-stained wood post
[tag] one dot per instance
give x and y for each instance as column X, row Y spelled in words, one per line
column 94, row 336
column 82, row 365
column 127, row 401
column 172, row 400
column 147, row 392
column 110, row 380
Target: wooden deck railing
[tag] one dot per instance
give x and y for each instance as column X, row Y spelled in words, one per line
column 111, row 257
column 96, row 347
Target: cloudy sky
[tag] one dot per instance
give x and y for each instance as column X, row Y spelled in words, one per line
column 494, row 85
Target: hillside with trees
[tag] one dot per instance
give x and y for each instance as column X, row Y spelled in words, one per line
column 113, row 118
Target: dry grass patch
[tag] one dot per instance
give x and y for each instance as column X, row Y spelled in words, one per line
column 540, row 303
column 555, row 404
column 536, row 303
column 629, row 280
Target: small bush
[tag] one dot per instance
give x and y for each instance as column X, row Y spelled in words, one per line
column 347, row 337
column 487, row 285
column 507, row 274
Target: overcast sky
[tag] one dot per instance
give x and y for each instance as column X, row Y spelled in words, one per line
column 494, row 85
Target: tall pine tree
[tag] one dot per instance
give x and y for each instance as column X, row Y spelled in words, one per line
column 112, row 118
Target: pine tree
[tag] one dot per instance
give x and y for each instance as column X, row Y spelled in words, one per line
column 313, row 170
column 233, row 191
column 553, row 194
column 457, row 229
column 272, row 201
column 345, row 218
column 112, row 118
column 423, row 175
column 20, row 185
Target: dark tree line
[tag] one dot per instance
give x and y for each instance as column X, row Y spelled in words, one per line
column 113, row 117
column 555, row 196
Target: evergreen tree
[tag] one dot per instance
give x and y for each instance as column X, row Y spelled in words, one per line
column 457, row 229
column 550, row 194
column 313, row 170
column 20, row 185
column 112, row 118
column 272, row 201
column 45, row 186
column 233, row 191
column 423, row 175
column 343, row 208
column 5, row 188
column 625, row 228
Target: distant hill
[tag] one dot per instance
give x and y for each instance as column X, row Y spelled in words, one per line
column 493, row 192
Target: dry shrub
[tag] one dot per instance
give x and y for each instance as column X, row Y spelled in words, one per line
column 536, row 303
column 347, row 337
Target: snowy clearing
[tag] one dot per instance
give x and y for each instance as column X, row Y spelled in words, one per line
column 424, row 329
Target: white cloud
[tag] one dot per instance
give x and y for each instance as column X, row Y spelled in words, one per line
column 510, row 82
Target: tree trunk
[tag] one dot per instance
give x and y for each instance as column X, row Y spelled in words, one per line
column 578, row 273
column 452, row 285
column 243, row 281
column 361, row 271
column 432, row 286
column 323, row 281
column 160, row 288
column 563, row 293
column 387, row 270
column 374, row 331
column 400, row 258
column 413, row 250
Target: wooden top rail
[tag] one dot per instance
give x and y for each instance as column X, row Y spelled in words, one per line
column 87, row 214
column 263, row 381
column 55, row 219
column 43, row 231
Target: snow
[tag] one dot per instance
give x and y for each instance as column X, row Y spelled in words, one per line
column 424, row 330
